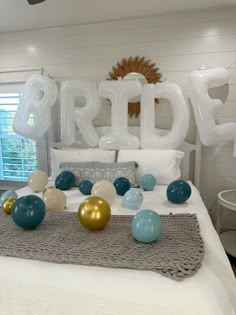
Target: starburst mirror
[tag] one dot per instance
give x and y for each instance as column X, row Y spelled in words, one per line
column 135, row 68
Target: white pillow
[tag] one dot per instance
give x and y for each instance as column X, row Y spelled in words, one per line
column 163, row 164
column 80, row 155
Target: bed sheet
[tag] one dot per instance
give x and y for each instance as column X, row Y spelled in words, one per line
column 35, row 287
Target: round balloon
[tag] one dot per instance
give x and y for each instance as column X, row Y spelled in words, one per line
column 105, row 190
column 85, row 187
column 178, row 191
column 133, row 199
column 8, row 194
column 37, row 181
column 8, row 204
column 28, row 212
column 94, row 213
column 54, row 199
column 148, row 182
column 65, row 180
column 122, row 185
column 146, row 226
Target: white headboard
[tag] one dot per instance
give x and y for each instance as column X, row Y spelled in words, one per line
column 186, row 147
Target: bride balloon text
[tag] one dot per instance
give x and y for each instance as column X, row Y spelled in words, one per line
column 119, row 93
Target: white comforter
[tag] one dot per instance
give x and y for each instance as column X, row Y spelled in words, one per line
column 34, row 287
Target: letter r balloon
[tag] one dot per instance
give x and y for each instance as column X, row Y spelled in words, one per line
column 82, row 116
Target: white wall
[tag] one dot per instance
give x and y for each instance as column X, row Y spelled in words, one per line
column 177, row 44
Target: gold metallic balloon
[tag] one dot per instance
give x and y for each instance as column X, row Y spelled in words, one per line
column 94, row 213
column 8, row 204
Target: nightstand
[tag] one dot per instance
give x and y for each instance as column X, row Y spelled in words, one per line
column 227, row 199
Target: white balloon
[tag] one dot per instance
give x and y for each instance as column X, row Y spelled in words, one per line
column 82, row 116
column 54, row 199
column 119, row 92
column 105, row 190
column 34, row 107
column 205, row 107
column 37, row 181
column 178, row 132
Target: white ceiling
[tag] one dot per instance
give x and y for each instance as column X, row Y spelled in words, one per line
column 19, row 15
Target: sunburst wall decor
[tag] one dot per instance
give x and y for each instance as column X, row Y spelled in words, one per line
column 139, row 65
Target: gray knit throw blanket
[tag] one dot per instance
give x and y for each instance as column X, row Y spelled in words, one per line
column 60, row 238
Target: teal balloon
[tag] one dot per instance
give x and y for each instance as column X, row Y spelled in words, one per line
column 65, row 180
column 148, row 182
column 122, row 185
column 7, row 194
column 133, row 199
column 85, row 187
column 178, row 191
column 146, row 226
column 28, row 212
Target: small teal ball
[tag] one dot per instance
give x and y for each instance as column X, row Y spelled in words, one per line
column 148, row 182
column 85, row 187
column 7, row 194
column 133, row 199
column 122, row 185
column 178, row 191
column 65, row 180
column 28, row 212
column 146, row 226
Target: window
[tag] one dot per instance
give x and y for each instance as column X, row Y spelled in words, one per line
column 19, row 156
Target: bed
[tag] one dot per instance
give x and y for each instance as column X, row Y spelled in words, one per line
column 34, row 287
column 37, row 287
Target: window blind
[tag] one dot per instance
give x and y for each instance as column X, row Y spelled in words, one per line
column 18, row 156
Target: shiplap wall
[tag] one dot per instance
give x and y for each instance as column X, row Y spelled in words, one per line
column 177, row 44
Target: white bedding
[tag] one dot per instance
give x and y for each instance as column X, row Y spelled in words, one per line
column 34, row 287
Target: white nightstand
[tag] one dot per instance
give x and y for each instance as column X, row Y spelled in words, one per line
column 227, row 199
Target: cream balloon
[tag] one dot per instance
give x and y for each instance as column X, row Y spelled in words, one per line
column 82, row 116
column 205, row 107
column 54, row 199
column 33, row 115
column 37, row 181
column 119, row 92
column 105, row 190
column 180, row 125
